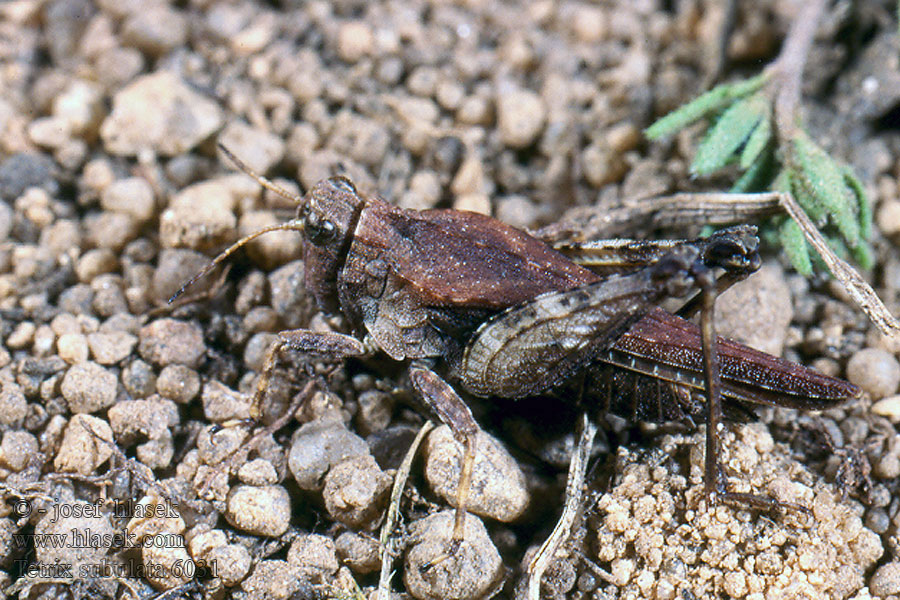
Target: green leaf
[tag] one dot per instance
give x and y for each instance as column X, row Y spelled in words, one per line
column 806, row 197
column 862, row 253
column 825, row 182
column 757, row 142
column 730, row 132
column 704, row 105
column 863, row 208
column 759, row 175
column 794, row 244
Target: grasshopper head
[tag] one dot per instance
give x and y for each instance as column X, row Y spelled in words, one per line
column 328, row 214
column 326, row 217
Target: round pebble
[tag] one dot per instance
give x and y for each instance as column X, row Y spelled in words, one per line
column 13, row 405
column 274, row 579
column 520, row 117
column 18, row 448
column 264, row 511
column 81, row 451
column 361, row 553
column 757, row 311
column 159, row 112
column 139, row 379
column 178, row 383
column 262, row 149
column 200, row 217
column 888, row 407
column 355, row 491
column 110, row 348
column 472, row 572
column 876, row 371
column 315, row 556
column 886, row 580
column 498, row 491
column 88, row 387
column 132, row 196
column 318, row 445
column 72, row 347
column 156, row 29
column 169, row 341
column 167, row 565
column 355, row 40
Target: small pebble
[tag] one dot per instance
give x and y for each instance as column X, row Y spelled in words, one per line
column 757, row 311
column 200, row 217
column 110, row 348
column 178, row 383
column 81, row 451
column 261, row 319
column 132, row 196
column 886, row 580
column 315, row 556
column 22, row 171
column 232, row 563
column 273, row 249
column 18, row 448
column 159, row 112
column 355, row 492
column 318, row 445
column 498, row 491
column 139, row 379
column 88, row 387
column 220, row 403
column 256, row 351
column 71, row 526
column 276, row 579
column 95, row 262
column 876, row 371
column 156, row 30
column 110, row 230
column 261, row 150
column 175, row 267
column 13, row 406
column 888, row 407
column 21, row 336
column 355, row 40
column 258, row 472
column 375, row 411
column 262, row 510
column 216, row 444
column 288, row 294
column 888, row 217
column 152, row 418
column 169, row 341
column 472, row 572
column 520, row 117
column 361, row 553
column 44, row 341
column 167, row 565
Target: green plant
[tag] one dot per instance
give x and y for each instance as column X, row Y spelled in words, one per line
column 744, row 132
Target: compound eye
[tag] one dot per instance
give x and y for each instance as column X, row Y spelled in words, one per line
column 319, row 231
column 343, row 184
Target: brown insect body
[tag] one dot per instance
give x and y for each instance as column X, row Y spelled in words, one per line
column 416, row 280
column 510, row 317
column 420, row 282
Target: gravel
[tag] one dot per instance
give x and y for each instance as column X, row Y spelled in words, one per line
column 113, row 195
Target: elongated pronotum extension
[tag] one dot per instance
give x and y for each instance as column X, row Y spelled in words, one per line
column 292, row 225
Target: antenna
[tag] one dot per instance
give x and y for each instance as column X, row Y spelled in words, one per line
column 292, row 225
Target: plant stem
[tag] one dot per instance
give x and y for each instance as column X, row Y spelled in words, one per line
column 788, row 67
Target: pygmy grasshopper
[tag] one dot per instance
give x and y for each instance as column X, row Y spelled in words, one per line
column 499, row 312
